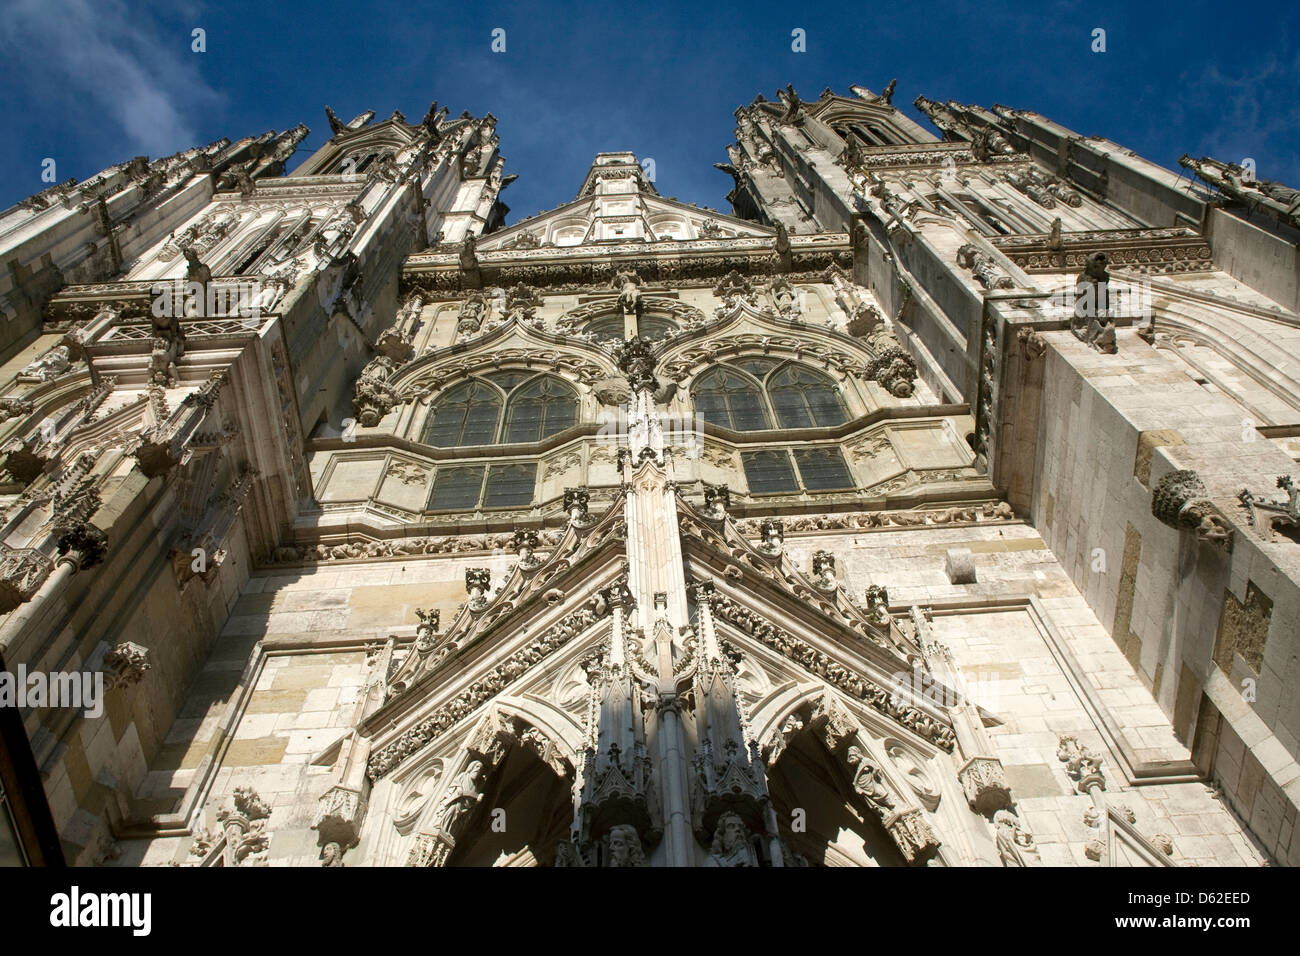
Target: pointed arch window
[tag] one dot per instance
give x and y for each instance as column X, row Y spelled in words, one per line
column 768, row 394
column 539, row 408
column 465, row 415
column 804, row 398
column 610, row 328
column 731, row 399
column 512, row 407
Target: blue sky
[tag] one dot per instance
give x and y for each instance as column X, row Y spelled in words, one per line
column 92, row 82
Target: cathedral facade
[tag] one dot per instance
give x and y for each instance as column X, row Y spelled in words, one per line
column 933, row 508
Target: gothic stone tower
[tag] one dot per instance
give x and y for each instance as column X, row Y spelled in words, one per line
column 639, row 534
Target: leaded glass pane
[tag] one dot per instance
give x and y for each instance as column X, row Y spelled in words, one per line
column 510, row 486
column 727, row 398
column 803, row 398
column 823, row 469
column 768, row 471
column 457, row 488
column 464, row 415
column 540, row 408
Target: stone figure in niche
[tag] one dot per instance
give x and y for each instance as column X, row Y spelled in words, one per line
column 331, row 855
column 464, row 793
column 629, row 294
column 868, row 781
column 567, row 854
column 731, row 845
column 1015, row 843
column 624, row 847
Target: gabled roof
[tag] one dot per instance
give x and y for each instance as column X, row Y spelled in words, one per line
column 617, row 203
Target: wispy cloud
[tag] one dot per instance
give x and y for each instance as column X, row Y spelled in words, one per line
column 136, row 71
column 1246, row 112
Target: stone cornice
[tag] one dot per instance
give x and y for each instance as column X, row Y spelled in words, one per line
column 133, row 300
column 597, row 263
column 1159, row 251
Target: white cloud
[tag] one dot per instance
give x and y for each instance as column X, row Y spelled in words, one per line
column 140, row 74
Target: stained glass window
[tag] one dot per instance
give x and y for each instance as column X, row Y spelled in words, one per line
column 470, row 413
column 730, row 399
column 540, row 408
column 803, row 398
column 466, row 414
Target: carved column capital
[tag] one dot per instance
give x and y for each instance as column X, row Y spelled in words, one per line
column 913, row 834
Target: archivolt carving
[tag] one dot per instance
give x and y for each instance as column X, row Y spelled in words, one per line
column 839, row 676
column 386, row 759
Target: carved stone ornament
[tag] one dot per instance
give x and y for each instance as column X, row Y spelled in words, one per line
column 717, row 498
column 1082, row 764
column 985, row 785
column 1180, row 501
column 243, row 821
column 22, row 572
column 823, row 569
column 126, row 664
column 913, row 834
column 577, row 505
column 338, row 817
column 773, row 533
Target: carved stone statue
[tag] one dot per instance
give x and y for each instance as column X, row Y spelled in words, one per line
column 331, row 855
column 624, row 846
column 196, row 271
column 868, row 781
column 50, row 365
column 1015, row 843
column 731, row 846
column 462, row 796
column 568, row 855
column 1091, row 322
column 629, row 295
column 989, row 142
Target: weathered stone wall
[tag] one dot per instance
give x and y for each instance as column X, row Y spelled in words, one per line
column 1112, row 426
column 282, row 687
